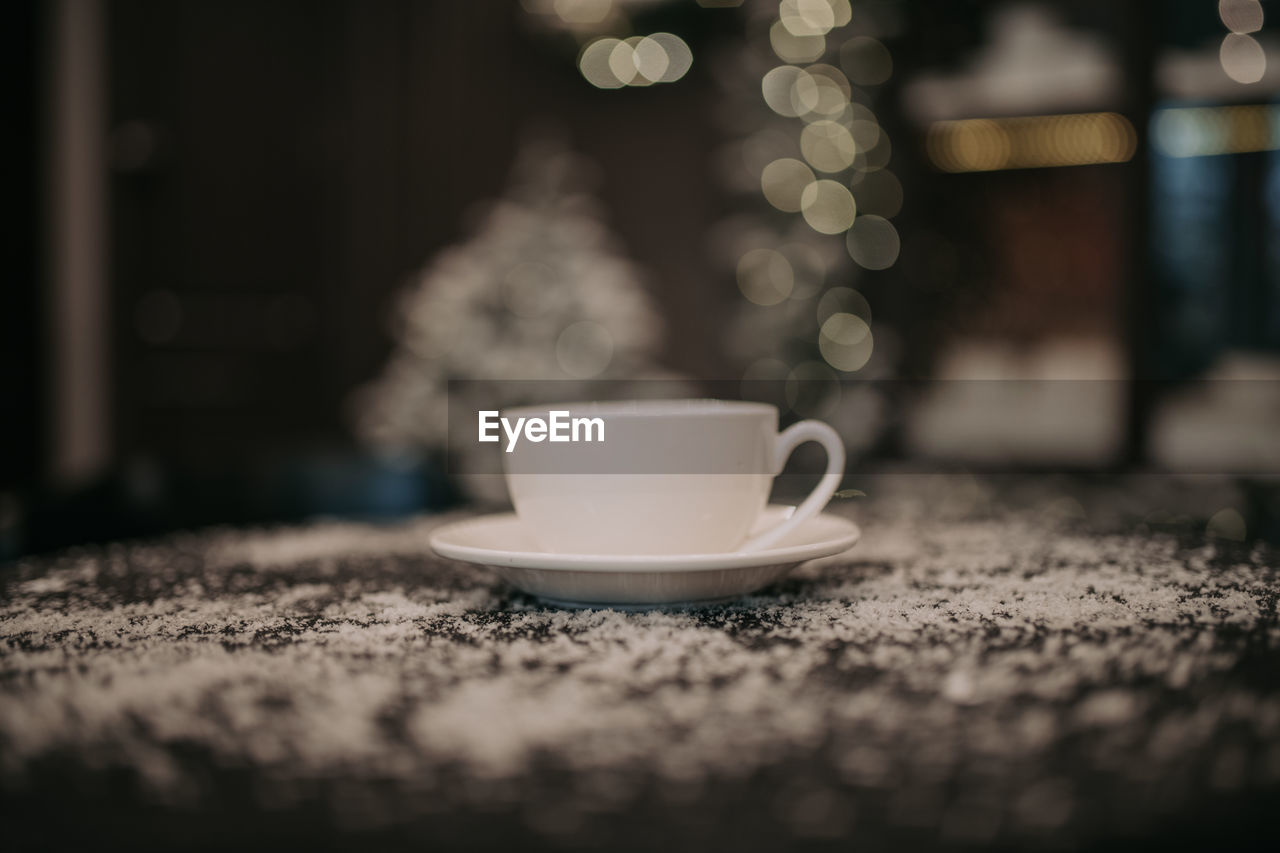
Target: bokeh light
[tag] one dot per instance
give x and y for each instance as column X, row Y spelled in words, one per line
column 842, row 11
column 765, row 276
column 584, row 349
column 862, row 125
column 1242, row 58
column 845, row 342
column 984, row 145
column 594, row 64
column 1227, row 523
column 789, row 91
column 844, row 300
column 623, row 64
column 650, row 59
column 793, row 48
column 827, row 146
column 976, row 145
column 610, row 63
column 840, row 137
column 828, row 207
column 679, row 56
column 831, row 90
column 806, row 17
column 877, row 155
column 873, row 243
column 583, row 11
column 1241, row 16
column 806, row 93
column 783, row 182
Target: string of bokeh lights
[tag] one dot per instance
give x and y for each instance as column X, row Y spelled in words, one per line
column 1241, row 56
column 610, row 63
column 607, row 62
column 843, row 152
column 842, row 149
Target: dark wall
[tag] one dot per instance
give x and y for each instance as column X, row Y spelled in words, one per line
column 281, row 168
column 21, row 318
column 278, row 170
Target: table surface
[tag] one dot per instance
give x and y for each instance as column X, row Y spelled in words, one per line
column 1020, row 663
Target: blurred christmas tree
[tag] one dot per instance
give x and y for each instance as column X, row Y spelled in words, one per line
column 539, row 292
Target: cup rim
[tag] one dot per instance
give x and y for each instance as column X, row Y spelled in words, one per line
column 675, row 407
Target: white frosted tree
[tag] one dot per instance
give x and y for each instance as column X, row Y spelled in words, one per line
column 539, row 291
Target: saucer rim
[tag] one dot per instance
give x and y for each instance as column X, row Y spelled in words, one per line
column 849, row 536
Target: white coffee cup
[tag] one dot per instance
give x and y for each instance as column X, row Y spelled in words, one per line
column 669, row 477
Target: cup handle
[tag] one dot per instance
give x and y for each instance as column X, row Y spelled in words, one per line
column 787, row 441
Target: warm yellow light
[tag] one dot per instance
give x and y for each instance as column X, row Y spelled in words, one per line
column 1032, row 142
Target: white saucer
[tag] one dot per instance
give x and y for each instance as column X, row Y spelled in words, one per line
column 503, row 543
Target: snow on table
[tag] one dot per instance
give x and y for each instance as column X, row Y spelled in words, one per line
column 1001, row 671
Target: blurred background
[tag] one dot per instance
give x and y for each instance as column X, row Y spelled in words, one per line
column 254, row 242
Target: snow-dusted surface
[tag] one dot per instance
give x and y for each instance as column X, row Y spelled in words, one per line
column 976, row 669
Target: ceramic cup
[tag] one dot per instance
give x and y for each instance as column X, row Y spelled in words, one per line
column 669, row 477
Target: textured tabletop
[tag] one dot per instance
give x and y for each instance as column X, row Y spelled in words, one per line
column 991, row 664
